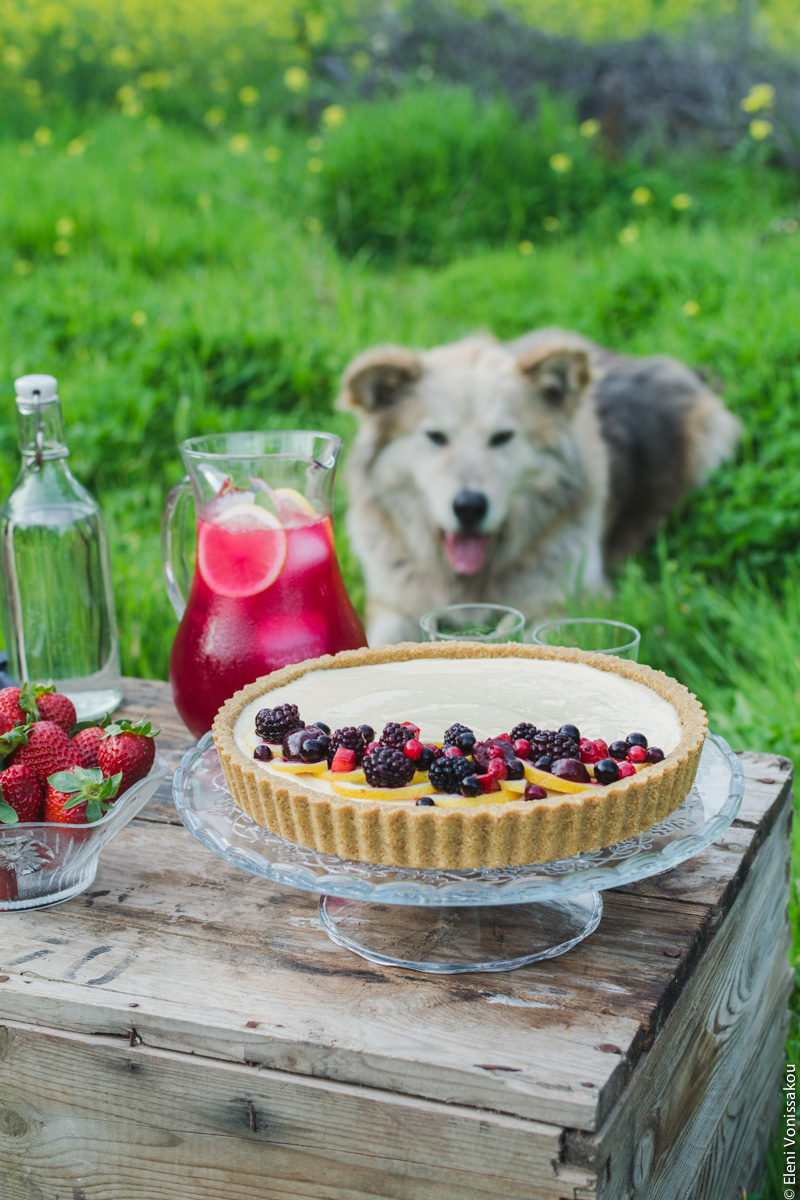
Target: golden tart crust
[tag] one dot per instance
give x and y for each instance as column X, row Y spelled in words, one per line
column 497, row 835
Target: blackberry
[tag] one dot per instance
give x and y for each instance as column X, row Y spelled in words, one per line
column 446, row 773
column 388, row 768
column 272, row 724
column 524, row 730
column 461, row 736
column 396, row 735
column 349, row 737
column 554, row 743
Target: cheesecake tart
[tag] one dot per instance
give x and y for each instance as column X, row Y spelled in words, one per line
column 488, row 689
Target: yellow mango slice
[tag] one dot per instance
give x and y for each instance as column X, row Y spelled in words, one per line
column 552, row 782
column 515, row 786
column 356, row 776
column 300, row 768
column 355, row 791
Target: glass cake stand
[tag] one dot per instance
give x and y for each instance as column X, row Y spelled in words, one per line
column 491, row 919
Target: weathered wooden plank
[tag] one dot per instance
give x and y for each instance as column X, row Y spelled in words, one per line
column 144, row 1123
column 653, row 1143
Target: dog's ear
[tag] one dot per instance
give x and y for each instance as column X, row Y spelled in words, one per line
column 375, row 379
column 560, row 375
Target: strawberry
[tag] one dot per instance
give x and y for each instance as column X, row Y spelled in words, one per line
column 10, row 712
column 79, row 797
column 56, row 708
column 46, row 749
column 20, row 795
column 128, row 748
column 87, row 741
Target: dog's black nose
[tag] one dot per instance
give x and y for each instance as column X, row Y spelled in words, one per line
column 470, row 508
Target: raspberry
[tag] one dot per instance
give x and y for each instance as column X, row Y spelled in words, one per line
column 351, row 739
column 387, row 767
column 396, row 735
column 497, row 767
column 272, row 724
column 522, row 747
column 589, row 752
column 601, row 747
column 626, row 769
column 413, row 749
column 453, row 752
column 446, row 773
column 637, row 754
column 524, row 730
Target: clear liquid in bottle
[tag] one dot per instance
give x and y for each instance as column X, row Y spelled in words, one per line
column 59, row 615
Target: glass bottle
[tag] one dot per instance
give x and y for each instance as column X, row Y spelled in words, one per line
column 59, row 618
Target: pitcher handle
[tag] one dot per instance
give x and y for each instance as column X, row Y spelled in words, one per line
column 174, row 564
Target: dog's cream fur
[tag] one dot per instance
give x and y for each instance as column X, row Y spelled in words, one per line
column 563, row 441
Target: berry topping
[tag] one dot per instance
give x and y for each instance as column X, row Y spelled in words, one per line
column 601, row 747
column 387, row 767
column 425, row 802
column 571, row 769
column 516, row 769
column 295, row 740
column 428, row 756
column 321, row 725
column 524, row 730
column 367, row 732
column 495, row 752
column 396, row 735
column 262, row 753
column 626, row 769
column 447, row 772
column 344, row 759
column 498, row 768
column 606, row 771
column 471, row 786
column 534, row 792
column 461, row 736
column 489, row 783
column 544, row 763
column 556, row 744
column 637, row 754
column 522, row 747
column 273, row 724
column 571, row 731
column 452, row 752
column 654, row 754
column 350, row 737
column 314, row 749
column 618, row 750
column 497, row 747
column 413, row 749
column 636, row 739
column 589, row 752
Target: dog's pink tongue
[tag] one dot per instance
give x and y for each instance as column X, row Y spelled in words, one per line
column 466, row 552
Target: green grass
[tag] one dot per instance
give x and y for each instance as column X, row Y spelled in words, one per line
column 178, row 288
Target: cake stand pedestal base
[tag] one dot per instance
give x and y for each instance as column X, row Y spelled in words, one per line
column 447, row 941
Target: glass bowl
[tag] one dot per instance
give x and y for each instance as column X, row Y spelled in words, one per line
column 42, row 863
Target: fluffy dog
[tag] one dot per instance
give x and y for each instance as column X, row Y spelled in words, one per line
column 515, row 472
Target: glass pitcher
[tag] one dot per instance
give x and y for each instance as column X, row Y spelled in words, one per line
column 266, row 589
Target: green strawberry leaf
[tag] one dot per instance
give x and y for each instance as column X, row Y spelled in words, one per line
column 65, row 781
column 88, row 724
column 142, row 727
column 11, row 740
column 8, row 815
column 27, row 701
column 42, row 689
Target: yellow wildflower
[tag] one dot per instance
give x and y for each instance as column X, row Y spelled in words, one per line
column 551, row 224
column 691, row 308
column 42, row 136
column 61, row 247
column 525, row 248
column 121, row 56
column 65, row 227
column 296, row 79
column 642, row 196
column 239, row 143
column 126, row 93
column 333, row 116
column 590, row 128
column 760, row 129
column 248, row 95
column 272, row 153
column 132, row 109
column 138, row 318
column 315, row 165
column 629, row 235
column 761, row 95
column 214, row 117
column 561, row 163
column 681, row 201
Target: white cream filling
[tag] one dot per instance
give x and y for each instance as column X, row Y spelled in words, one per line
column 489, row 695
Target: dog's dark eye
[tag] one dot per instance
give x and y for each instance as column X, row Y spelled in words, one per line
column 500, row 439
column 437, row 437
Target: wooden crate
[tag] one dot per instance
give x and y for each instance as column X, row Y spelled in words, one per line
column 186, row 1031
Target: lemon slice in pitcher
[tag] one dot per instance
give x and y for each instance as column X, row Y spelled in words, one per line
column 241, row 553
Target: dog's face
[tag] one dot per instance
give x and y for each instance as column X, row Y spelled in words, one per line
column 468, row 446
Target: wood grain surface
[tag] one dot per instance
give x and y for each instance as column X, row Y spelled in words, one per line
column 198, row 1001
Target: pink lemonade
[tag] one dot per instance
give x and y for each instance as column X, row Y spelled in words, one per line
column 261, row 598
